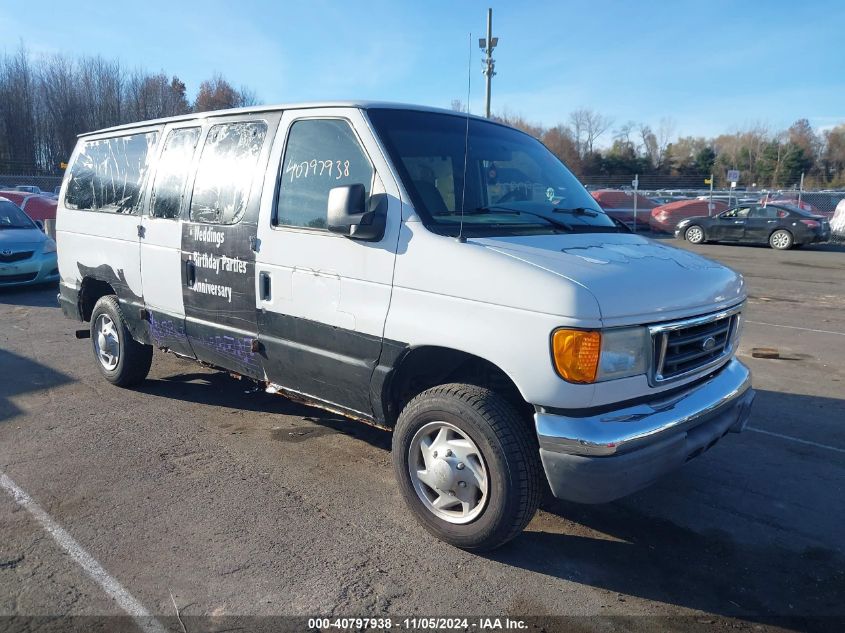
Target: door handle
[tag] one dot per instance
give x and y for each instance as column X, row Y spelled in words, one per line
column 190, row 273
column 264, row 286
column 141, row 230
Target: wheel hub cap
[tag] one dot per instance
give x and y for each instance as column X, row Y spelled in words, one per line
column 107, row 342
column 442, row 475
column 448, row 472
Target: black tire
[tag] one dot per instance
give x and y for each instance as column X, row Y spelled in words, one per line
column 695, row 237
column 781, row 240
column 510, row 452
column 133, row 358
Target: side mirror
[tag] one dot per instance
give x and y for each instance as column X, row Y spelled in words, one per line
column 348, row 214
column 40, row 225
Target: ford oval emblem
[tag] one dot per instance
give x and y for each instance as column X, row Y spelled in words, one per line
column 708, row 343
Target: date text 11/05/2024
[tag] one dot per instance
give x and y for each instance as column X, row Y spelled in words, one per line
column 419, row 623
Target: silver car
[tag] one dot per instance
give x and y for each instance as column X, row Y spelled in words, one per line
column 27, row 255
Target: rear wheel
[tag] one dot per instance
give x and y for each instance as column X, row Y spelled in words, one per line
column 694, row 234
column 781, row 240
column 122, row 360
column 467, row 465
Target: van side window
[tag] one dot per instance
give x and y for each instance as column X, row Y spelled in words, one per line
column 320, row 154
column 108, row 174
column 226, row 171
column 172, row 172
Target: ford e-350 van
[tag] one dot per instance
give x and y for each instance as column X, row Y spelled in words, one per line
column 436, row 274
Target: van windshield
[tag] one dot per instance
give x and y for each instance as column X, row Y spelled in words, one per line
column 514, row 185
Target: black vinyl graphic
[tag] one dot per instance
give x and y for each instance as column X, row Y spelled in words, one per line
column 218, row 288
column 168, row 332
column 130, row 303
column 330, row 363
column 219, row 242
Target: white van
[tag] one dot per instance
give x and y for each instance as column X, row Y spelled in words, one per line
column 440, row 275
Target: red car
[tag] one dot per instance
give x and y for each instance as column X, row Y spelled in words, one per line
column 665, row 218
column 36, row 206
column 620, row 205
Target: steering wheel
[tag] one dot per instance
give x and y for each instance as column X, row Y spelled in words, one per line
column 509, row 196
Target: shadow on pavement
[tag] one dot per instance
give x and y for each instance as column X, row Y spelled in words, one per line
column 37, row 378
column 659, row 559
column 220, row 389
column 43, row 296
column 642, row 555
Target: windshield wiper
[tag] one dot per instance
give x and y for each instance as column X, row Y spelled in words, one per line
column 508, row 211
column 590, row 213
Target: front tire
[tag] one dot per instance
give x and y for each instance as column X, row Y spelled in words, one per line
column 694, row 234
column 122, row 360
column 781, row 240
column 467, row 465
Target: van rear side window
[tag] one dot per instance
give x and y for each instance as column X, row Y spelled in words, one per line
column 226, row 171
column 172, row 172
column 108, row 174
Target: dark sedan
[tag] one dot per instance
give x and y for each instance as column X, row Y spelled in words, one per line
column 778, row 225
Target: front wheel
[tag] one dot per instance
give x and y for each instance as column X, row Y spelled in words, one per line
column 122, row 360
column 467, row 465
column 781, row 240
column 694, row 234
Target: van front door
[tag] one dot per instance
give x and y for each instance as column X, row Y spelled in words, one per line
column 161, row 241
column 218, row 241
column 322, row 298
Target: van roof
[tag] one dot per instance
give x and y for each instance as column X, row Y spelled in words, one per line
column 276, row 108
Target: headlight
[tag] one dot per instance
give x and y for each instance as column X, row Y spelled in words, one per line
column 49, row 246
column 624, row 352
column 587, row 356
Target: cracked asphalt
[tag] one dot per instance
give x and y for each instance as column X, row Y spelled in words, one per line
column 241, row 503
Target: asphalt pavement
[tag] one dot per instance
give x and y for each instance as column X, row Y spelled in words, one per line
column 196, row 495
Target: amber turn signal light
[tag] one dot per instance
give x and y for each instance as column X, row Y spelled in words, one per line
column 576, row 354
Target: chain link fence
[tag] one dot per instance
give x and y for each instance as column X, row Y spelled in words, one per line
column 45, row 184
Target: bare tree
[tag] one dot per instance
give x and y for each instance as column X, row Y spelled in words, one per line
column 625, row 134
column 18, row 110
column 588, row 126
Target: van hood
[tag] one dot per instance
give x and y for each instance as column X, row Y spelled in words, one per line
column 633, row 279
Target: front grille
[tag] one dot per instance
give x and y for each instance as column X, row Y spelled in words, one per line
column 691, row 345
column 13, row 279
column 15, row 257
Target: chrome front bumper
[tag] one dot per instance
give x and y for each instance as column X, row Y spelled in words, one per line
column 601, row 457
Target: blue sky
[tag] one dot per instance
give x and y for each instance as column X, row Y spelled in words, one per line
column 711, row 67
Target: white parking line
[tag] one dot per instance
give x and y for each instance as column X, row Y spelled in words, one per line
column 795, row 327
column 796, row 439
column 112, row 587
